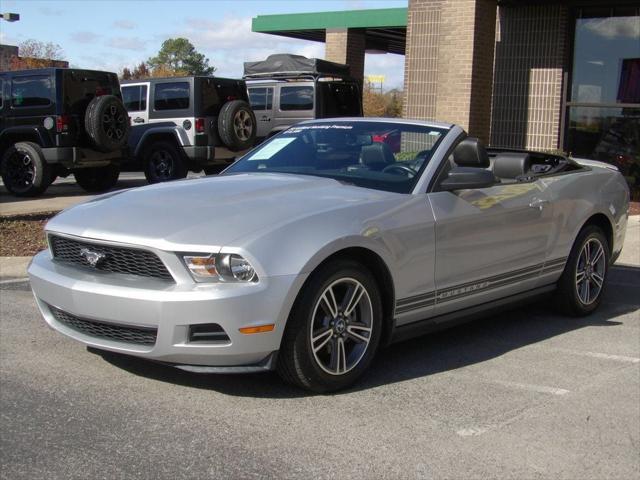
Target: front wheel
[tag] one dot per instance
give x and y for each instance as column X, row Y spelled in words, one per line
column 163, row 162
column 582, row 283
column 333, row 330
column 97, row 179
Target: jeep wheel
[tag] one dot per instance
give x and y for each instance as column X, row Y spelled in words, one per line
column 97, row 179
column 107, row 123
column 25, row 172
column 163, row 162
column 237, row 125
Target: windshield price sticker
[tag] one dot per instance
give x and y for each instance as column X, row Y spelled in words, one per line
column 319, row 127
column 271, row 149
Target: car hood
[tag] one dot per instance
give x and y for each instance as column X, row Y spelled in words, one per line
column 209, row 212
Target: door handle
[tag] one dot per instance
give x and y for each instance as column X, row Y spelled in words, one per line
column 265, row 119
column 539, row 204
column 138, row 120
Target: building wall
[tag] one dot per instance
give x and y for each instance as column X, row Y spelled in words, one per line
column 347, row 46
column 449, row 62
column 530, row 59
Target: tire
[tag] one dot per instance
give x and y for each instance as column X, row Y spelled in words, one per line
column 97, row 179
column 237, row 125
column 24, row 170
column 325, row 370
column 163, row 162
column 578, row 298
column 107, row 123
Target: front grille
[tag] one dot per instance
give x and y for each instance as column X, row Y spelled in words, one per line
column 109, row 331
column 132, row 261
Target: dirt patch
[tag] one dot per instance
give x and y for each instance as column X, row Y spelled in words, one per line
column 23, row 235
column 634, row 208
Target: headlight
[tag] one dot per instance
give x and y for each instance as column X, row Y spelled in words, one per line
column 220, row 268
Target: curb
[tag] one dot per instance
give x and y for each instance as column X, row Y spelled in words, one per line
column 13, row 267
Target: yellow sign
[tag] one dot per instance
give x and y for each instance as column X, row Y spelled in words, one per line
column 376, row 78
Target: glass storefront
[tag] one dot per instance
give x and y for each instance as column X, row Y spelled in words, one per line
column 604, row 104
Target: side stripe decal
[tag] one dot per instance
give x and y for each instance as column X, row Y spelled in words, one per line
column 471, row 288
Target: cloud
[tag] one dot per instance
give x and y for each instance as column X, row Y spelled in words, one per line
column 613, row 27
column 124, row 25
column 127, row 43
column 84, row 37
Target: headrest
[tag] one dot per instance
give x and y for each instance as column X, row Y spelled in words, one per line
column 471, row 153
column 377, row 153
column 511, row 164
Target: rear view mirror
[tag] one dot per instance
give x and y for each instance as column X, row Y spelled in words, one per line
column 462, row 178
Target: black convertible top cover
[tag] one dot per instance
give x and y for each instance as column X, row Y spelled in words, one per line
column 282, row 64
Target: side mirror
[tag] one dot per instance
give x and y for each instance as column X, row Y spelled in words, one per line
column 462, row 178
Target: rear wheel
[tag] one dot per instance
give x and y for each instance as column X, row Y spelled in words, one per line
column 97, row 179
column 25, row 172
column 333, row 330
column 582, row 283
column 163, row 162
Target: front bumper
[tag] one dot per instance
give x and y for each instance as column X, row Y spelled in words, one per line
column 170, row 308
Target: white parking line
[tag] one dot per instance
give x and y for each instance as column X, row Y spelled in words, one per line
column 13, row 280
column 533, row 388
column 606, row 356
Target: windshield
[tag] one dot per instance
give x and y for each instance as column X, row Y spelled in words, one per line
column 380, row 155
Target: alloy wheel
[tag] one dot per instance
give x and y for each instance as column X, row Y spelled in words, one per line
column 162, row 164
column 341, row 326
column 590, row 271
column 243, row 125
column 113, row 122
column 20, row 171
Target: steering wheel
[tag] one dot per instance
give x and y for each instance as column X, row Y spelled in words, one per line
column 402, row 169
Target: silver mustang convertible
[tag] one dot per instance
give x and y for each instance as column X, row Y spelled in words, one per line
column 326, row 242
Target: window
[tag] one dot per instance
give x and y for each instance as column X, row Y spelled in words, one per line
column 378, row 155
column 261, row 98
column 31, row 91
column 296, row 98
column 603, row 112
column 135, row 98
column 171, row 96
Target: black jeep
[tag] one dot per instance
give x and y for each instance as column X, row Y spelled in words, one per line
column 57, row 121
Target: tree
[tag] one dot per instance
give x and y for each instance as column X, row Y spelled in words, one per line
column 139, row 72
column 36, row 54
column 379, row 104
column 178, row 55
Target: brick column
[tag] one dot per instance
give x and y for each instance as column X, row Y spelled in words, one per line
column 347, row 45
column 449, row 69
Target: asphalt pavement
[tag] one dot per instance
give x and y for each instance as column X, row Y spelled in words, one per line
column 524, row 394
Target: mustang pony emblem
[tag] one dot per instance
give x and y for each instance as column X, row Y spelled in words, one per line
column 92, row 258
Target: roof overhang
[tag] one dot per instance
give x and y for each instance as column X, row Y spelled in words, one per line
column 385, row 29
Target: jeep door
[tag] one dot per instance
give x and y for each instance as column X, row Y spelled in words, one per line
column 136, row 100
column 490, row 242
column 295, row 102
column 261, row 100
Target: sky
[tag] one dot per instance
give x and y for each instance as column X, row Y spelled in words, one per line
column 109, row 35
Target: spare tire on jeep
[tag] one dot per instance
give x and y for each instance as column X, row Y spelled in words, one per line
column 107, row 123
column 237, row 125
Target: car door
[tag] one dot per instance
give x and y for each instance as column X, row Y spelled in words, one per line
column 136, row 100
column 261, row 99
column 490, row 242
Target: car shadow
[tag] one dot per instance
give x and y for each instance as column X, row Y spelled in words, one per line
column 451, row 349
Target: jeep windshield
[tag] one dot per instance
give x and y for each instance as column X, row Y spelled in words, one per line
column 385, row 156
